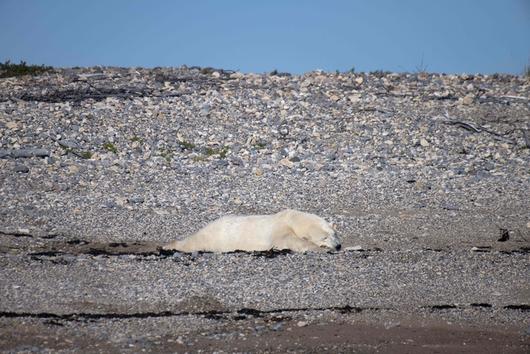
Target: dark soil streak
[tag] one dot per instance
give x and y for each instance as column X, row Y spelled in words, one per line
column 242, row 313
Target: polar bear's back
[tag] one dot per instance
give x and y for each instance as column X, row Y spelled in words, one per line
column 238, row 232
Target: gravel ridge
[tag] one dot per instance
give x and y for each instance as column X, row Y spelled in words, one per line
column 426, row 177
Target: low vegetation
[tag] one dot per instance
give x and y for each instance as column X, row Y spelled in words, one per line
column 186, row 145
column 110, row 147
column 221, row 151
column 8, row 69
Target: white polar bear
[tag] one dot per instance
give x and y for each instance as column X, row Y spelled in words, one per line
column 288, row 229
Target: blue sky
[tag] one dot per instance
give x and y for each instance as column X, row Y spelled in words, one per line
column 449, row 36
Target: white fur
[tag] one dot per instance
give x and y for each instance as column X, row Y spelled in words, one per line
column 288, row 229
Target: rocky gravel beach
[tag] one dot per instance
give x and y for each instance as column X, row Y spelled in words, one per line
column 425, row 176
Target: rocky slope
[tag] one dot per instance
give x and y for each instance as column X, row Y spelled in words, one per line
column 426, row 177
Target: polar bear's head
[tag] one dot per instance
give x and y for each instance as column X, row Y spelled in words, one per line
column 312, row 228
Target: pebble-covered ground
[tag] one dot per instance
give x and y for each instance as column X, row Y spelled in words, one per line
column 426, row 177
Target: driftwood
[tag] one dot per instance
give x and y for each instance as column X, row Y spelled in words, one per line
column 479, row 129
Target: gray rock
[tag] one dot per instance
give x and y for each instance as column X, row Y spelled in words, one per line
column 332, row 155
column 449, row 206
column 19, row 168
column 205, row 110
column 70, row 144
column 23, row 153
column 488, row 166
column 283, row 130
column 50, row 160
column 177, row 256
column 482, row 174
column 109, row 204
column 221, row 163
column 459, row 171
column 357, row 248
column 136, row 199
column 236, row 160
column 329, row 167
column 277, row 326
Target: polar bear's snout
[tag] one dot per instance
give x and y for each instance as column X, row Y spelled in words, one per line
column 331, row 242
column 329, row 239
column 325, row 236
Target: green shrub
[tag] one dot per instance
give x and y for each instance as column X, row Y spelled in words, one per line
column 110, row 147
column 186, row 145
column 8, row 69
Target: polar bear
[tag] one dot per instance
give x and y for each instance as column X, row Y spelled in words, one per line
column 288, row 229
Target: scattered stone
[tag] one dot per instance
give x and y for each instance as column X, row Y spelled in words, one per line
column 19, row 168
column 23, row 231
column 468, row 99
column 69, row 144
column 94, row 76
column 354, row 249
column 277, row 326
column 109, row 204
column 424, row 142
column 480, row 248
column 334, row 98
column 302, row 323
column 284, row 130
column 355, row 98
column 392, row 324
column 237, row 75
column 449, row 206
column 12, row 125
column 287, row 163
column 120, row 201
column 504, row 235
column 294, row 159
column 137, row 199
column 205, row 110
column 73, row 169
column 23, row 153
column 443, row 94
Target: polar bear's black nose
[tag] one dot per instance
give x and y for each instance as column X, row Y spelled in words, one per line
column 338, row 247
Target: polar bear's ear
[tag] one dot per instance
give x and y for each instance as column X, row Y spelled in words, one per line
column 288, row 213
